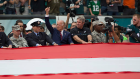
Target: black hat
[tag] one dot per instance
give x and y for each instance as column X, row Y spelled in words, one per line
column 36, row 23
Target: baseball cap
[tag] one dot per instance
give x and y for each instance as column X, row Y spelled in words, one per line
column 16, row 27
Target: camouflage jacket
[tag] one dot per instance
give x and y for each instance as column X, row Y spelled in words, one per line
column 98, row 37
column 19, row 42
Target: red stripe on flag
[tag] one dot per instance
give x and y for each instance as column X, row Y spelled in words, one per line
column 79, row 76
column 72, row 51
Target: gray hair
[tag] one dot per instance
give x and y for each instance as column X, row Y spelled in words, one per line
column 82, row 18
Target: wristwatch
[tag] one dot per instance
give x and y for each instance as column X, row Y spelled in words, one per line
column 90, row 40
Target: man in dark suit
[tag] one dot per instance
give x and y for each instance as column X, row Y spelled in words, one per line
column 59, row 35
column 4, row 41
column 38, row 38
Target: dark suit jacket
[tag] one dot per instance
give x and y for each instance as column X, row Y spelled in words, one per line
column 4, row 40
column 32, row 39
column 66, row 39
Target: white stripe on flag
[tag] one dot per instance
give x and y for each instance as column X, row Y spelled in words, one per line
column 41, row 66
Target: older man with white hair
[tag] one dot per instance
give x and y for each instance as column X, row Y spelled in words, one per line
column 59, row 35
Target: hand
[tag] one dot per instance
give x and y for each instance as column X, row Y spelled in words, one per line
column 89, row 42
column 47, row 10
column 84, row 42
column 5, row 47
column 71, row 43
column 100, row 14
column 92, row 14
column 4, row 2
column 55, row 44
column 29, row 7
column 20, row 47
column 10, row 46
column 77, row 6
column 39, row 45
column 91, row 19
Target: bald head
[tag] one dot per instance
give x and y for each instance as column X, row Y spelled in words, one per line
column 60, row 25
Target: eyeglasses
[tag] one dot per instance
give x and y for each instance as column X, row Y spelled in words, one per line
column 21, row 26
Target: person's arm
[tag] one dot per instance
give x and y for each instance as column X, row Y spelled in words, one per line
column 89, row 38
column 76, row 38
column 117, row 1
column 8, row 41
column 100, row 12
column 16, row 1
column 49, row 26
column 67, row 21
column 91, row 26
column 70, row 39
column 31, row 41
column 48, row 39
column 24, row 43
column 116, row 38
column 29, row 4
column 11, row 1
column 49, row 0
column 77, row 1
column 91, row 12
column 1, row 4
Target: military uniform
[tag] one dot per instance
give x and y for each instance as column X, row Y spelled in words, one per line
column 98, row 37
column 20, row 42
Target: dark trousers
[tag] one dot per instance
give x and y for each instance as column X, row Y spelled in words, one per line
column 1, row 11
column 10, row 11
column 128, row 11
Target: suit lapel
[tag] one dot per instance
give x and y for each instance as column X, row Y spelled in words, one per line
column 34, row 35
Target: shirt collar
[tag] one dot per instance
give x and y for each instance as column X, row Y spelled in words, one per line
column 36, row 33
column 62, row 32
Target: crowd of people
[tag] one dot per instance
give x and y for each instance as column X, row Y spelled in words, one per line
column 77, row 34
column 78, row 7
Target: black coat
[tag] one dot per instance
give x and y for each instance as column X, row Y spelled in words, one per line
column 4, row 40
column 32, row 39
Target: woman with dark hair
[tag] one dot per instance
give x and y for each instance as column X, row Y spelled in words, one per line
column 22, row 28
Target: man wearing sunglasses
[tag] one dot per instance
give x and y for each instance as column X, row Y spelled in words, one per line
column 134, row 30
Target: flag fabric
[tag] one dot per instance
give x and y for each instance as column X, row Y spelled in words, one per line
column 100, row 61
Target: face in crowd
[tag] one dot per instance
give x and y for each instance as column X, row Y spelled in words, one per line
column 73, row 25
column 1, row 29
column 60, row 25
column 36, row 29
column 99, row 27
column 42, row 29
column 21, row 26
column 117, row 29
column 80, row 24
column 16, row 33
column 136, row 20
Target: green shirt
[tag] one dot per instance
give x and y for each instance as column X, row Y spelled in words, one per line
column 135, row 29
column 95, row 7
column 80, row 10
column 3, row 7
